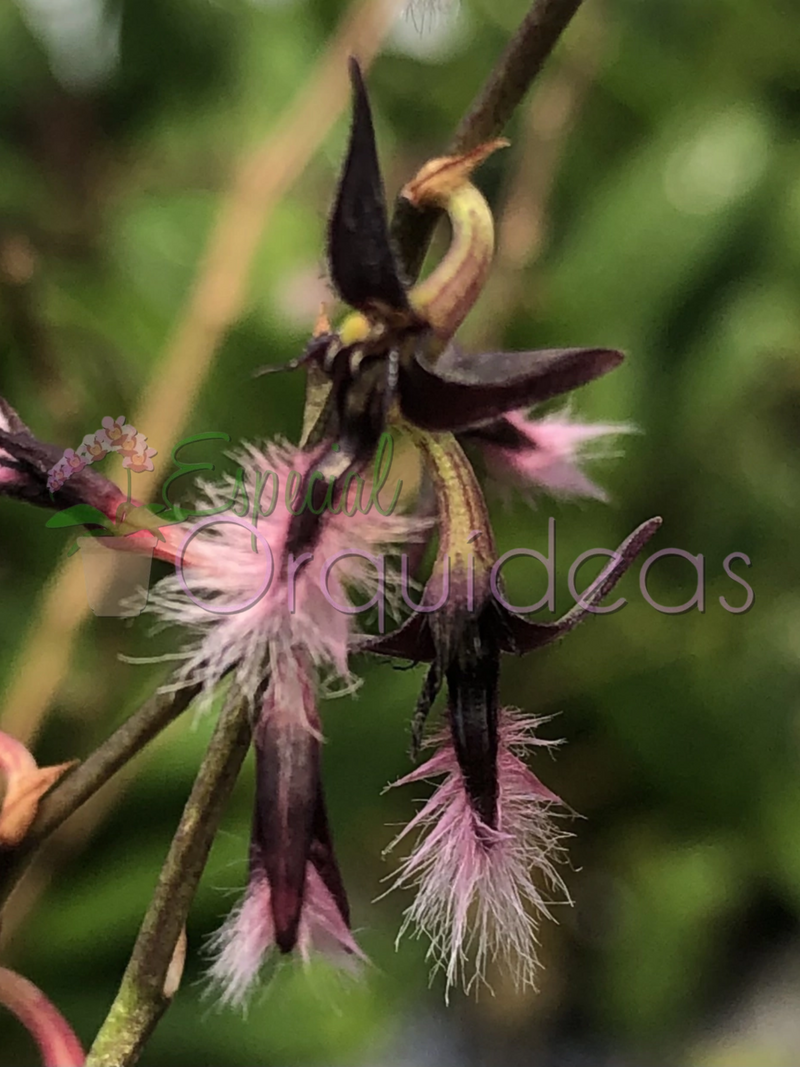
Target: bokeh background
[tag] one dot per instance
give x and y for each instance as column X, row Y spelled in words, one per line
column 650, row 201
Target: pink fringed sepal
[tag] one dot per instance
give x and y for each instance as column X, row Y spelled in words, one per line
column 549, row 453
column 242, row 945
column 478, row 888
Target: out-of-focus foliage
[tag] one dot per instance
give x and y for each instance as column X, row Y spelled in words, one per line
column 657, row 211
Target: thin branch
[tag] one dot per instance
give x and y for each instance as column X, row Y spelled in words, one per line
column 545, row 127
column 511, row 78
column 142, row 1000
column 491, row 109
column 105, row 761
column 102, row 764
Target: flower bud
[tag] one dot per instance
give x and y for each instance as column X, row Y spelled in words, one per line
column 22, row 785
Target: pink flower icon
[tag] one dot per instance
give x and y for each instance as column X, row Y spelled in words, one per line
column 73, row 463
column 95, row 446
column 133, row 445
column 57, row 475
column 139, row 458
column 118, row 432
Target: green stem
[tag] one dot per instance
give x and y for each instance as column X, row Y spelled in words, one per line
column 142, row 999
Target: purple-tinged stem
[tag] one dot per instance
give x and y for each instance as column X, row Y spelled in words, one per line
column 41, row 1018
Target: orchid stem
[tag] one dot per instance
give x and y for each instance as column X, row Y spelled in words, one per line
column 502, row 92
column 142, row 1000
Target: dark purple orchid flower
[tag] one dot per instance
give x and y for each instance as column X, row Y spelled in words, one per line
column 269, row 602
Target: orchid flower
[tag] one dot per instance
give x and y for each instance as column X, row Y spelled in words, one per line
column 137, row 456
column 118, row 432
column 392, row 360
column 266, row 590
column 95, row 446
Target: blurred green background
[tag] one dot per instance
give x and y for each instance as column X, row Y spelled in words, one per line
column 650, row 201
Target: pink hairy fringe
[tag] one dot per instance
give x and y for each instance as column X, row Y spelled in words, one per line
column 558, row 447
column 477, row 894
column 224, row 592
column 246, row 940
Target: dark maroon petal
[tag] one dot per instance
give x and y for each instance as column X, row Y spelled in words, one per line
column 473, row 679
column 523, row 636
column 484, row 387
column 287, row 785
column 323, row 857
column 359, row 252
column 413, row 640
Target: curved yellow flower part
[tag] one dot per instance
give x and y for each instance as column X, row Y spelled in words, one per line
column 444, row 298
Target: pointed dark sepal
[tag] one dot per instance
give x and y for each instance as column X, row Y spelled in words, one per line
column 359, row 252
column 523, row 636
column 484, row 387
column 472, row 685
column 413, row 641
column 287, row 789
column 314, row 351
column 323, row 857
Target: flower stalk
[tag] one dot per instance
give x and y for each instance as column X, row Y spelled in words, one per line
column 147, row 985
